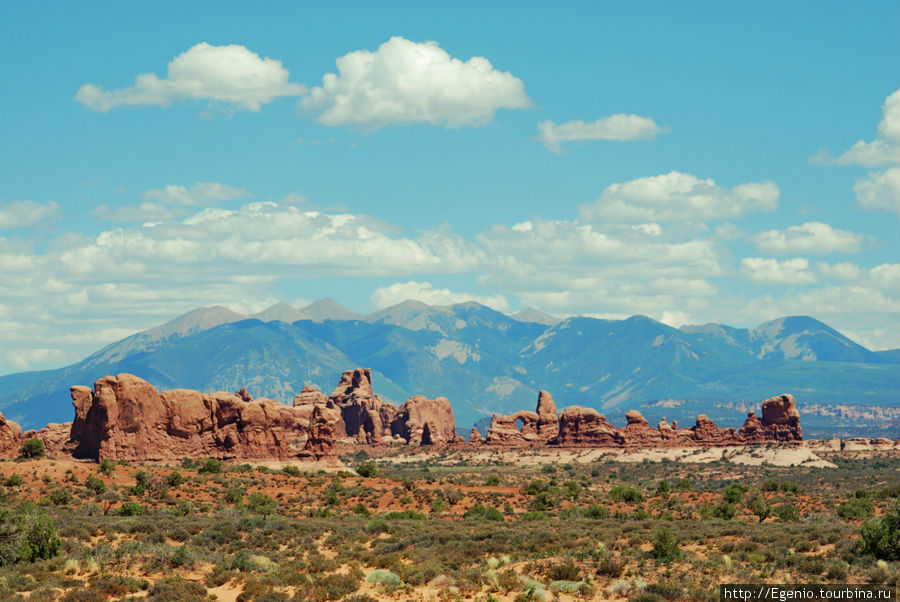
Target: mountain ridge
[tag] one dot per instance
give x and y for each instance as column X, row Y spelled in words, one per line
column 483, row 360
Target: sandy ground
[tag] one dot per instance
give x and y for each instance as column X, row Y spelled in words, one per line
column 756, row 455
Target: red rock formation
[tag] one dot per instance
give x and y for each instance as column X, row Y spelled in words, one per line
column 323, row 433
column 10, row 437
column 504, row 430
column 781, row 419
column 422, row 421
column 475, row 436
column 310, row 396
column 586, row 426
column 548, row 421
column 244, row 394
column 539, row 426
column 126, row 418
column 366, row 417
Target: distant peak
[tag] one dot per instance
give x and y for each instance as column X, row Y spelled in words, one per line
column 327, row 309
column 280, row 312
column 530, row 314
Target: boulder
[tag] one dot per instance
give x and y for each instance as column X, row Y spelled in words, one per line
column 586, row 426
column 780, row 419
column 423, row 421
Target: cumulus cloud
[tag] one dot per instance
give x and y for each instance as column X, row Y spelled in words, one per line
column 410, row 82
column 19, row 214
column 570, row 268
column 880, row 190
column 386, row 296
column 620, row 126
column 790, row 272
column 677, row 196
column 229, row 74
column 883, row 150
column 201, row 193
column 812, row 237
column 844, row 270
column 87, row 291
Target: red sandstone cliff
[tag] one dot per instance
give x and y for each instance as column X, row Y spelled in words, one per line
column 585, row 427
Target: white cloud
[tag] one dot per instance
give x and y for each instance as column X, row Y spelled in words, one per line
column 135, row 213
column 621, row 126
column 886, row 276
column 843, row 270
column 386, row 296
column 229, row 74
column 812, row 237
column 200, row 193
column 409, row 82
column 880, row 190
column 19, row 214
column 651, row 229
column 677, row 196
column 883, row 150
column 675, row 318
column 772, row 271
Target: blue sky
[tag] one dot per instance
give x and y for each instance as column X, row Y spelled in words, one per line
column 693, row 162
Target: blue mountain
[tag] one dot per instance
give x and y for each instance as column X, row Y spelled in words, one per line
column 482, row 360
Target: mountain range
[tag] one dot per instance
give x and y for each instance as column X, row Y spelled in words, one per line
column 484, row 361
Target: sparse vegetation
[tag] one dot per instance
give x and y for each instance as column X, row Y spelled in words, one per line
column 466, row 532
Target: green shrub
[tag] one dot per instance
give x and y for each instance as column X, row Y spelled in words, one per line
column 14, row 480
column 682, row 485
column 60, row 497
column 492, row 481
column 142, row 478
column 234, row 495
column 291, row 470
column 734, row 493
column 107, row 466
column 482, row 512
column 626, row 494
column 856, row 508
column 596, row 512
column 881, row 538
column 260, row 503
column 95, row 484
column 210, row 466
column 665, row 545
column 176, row 589
column 367, row 469
column 787, row 513
column 725, row 511
column 131, row 509
column 383, row 577
column 26, row 535
column 663, row 487
column 174, row 479
column 535, row 516
column 32, row 448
